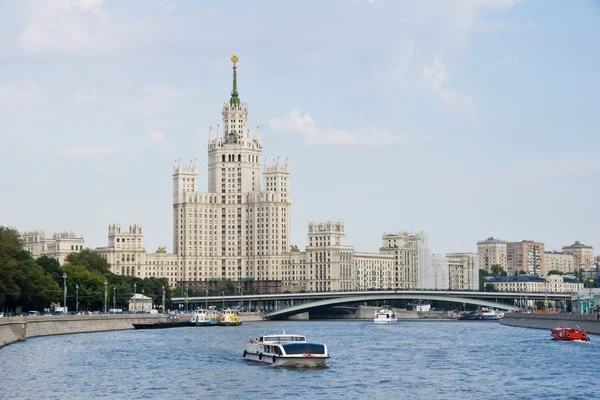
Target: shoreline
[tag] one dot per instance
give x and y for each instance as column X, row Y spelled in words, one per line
column 587, row 322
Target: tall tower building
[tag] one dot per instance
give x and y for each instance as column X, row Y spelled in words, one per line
column 240, row 228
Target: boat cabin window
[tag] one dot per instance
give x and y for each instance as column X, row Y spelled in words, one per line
column 303, row 348
column 285, row 339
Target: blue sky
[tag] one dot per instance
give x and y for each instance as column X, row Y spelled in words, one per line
column 465, row 119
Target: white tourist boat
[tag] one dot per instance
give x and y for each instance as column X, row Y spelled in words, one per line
column 385, row 316
column 286, row 350
column 202, row 317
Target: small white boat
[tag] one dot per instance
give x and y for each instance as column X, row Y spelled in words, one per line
column 203, row 318
column 490, row 314
column 286, row 350
column 385, row 316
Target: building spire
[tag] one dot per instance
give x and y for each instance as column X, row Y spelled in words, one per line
column 234, row 101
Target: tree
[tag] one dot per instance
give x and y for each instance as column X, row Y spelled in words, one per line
column 50, row 267
column 521, row 272
column 555, row 272
column 497, row 270
column 91, row 288
column 23, row 283
column 90, row 259
column 482, row 275
column 490, row 288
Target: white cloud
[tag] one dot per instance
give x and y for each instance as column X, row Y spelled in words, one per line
column 91, row 151
column 59, row 24
column 157, row 136
column 436, row 75
column 80, row 27
column 303, row 124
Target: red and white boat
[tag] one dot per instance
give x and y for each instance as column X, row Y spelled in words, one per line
column 569, row 334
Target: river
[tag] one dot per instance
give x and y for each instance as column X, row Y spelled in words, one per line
column 410, row 359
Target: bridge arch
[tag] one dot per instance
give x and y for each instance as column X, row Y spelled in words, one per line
column 301, row 308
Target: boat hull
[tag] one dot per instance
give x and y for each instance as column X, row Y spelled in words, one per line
column 229, row 323
column 299, row 361
column 385, row 321
column 565, row 334
column 203, row 323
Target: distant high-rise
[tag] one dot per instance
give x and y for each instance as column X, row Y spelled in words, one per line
column 527, row 256
column 491, row 252
column 583, row 255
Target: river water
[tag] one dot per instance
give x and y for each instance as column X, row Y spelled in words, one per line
column 410, row 359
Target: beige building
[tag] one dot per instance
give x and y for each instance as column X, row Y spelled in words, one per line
column 329, row 264
column 491, row 252
column 59, row 246
column 526, row 255
column 127, row 255
column 412, row 257
column 374, row 271
column 583, row 255
column 463, row 271
column 558, row 261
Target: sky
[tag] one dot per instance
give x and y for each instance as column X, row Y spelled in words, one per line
column 464, row 119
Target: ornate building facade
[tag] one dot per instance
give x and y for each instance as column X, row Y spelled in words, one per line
column 239, row 229
column 59, row 246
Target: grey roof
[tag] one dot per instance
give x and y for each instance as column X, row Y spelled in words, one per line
column 577, row 245
column 515, row 278
column 491, row 240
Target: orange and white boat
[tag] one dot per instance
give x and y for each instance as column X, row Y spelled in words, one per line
column 569, row 334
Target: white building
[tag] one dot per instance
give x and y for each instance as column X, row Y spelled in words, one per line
column 438, row 276
column 412, row 257
column 463, row 271
column 139, row 302
column 59, row 246
column 534, row 284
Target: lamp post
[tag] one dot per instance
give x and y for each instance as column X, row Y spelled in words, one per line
column 65, row 293
column 77, row 297
column 134, row 288
column 163, row 300
column 223, row 300
column 114, row 297
column 206, row 297
column 105, row 283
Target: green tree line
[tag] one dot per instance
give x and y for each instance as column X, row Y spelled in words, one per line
column 33, row 284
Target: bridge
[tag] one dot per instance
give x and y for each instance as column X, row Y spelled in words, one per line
column 284, row 305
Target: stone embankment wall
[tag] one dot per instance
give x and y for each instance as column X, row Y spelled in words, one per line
column 20, row 328
column 549, row 321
